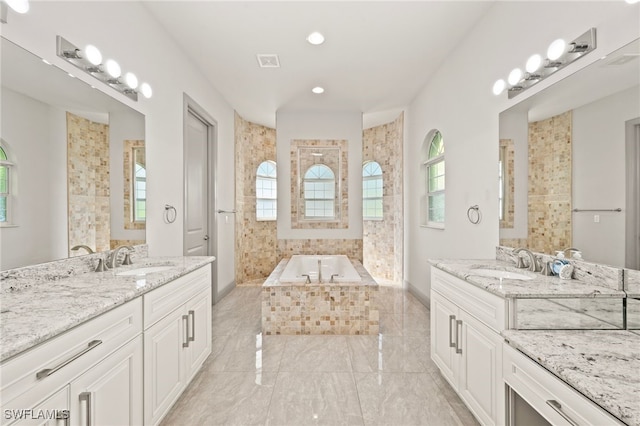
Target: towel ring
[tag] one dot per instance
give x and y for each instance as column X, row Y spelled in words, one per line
column 474, row 214
column 170, row 213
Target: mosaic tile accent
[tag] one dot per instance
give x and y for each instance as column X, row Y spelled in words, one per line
column 350, row 248
column 337, row 163
column 256, row 241
column 549, row 216
column 88, row 183
column 344, row 308
column 116, row 243
column 383, row 239
column 514, row 242
column 508, row 155
column 127, row 169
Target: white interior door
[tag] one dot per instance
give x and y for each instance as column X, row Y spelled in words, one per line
column 196, row 186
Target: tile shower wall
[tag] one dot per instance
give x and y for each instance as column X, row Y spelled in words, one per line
column 347, row 247
column 383, row 239
column 88, row 183
column 256, row 241
column 549, row 217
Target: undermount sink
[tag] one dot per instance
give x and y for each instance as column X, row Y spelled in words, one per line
column 496, row 273
column 143, row 271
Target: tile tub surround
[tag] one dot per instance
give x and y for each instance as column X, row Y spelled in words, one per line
column 340, row 308
column 541, row 286
column 602, row 365
column 34, row 313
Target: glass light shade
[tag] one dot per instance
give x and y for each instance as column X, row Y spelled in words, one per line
column 534, row 63
column 113, row 69
column 515, row 76
column 146, row 91
column 317, row 90
column 499, row 86
column 93, row 55
column 131, row 80
column 556, row 49
column 20, row 6
column 315, row 38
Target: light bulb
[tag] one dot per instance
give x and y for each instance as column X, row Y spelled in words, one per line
column 515, row 76
column 93, row 55
column 146, row 90
column 317, row 90
column 556, row 49
column 498, row 87
column 20, row 6
column 315, row 38
column 533, row 63
column 131, row 80
column 113, row 68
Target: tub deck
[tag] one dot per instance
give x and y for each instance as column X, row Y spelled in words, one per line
column 320, row 308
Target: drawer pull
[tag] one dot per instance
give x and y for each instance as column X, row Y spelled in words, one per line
column 185, row 318
column 458, row 346
column 85, row 398
column 452, row 344
column 192, row 314
column 49, row 371
column 558, row 408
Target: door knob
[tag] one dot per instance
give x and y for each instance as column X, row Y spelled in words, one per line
column 206, row 238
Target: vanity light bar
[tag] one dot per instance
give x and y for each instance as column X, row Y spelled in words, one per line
column 109, row 73
column 559, row 55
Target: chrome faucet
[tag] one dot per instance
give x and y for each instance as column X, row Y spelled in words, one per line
column 533, row 263
column 112, row 262
column 319, row 270
column 82, row 246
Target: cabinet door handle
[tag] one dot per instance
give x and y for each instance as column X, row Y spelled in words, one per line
column 452, row 344
column 49, row 371
column 558, row 409
column 85, row 397
column 192, row 314
column 458, row 346
column 185, row 344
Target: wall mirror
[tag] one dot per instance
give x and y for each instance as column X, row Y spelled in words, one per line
column 568, row 166
column 319, row 184
column 67, row 145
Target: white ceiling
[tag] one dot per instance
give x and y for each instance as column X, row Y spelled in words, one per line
column 376, row 57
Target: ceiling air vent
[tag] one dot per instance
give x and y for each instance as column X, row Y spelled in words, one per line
column 268, row 61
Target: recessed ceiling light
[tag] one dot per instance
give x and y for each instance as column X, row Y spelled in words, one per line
column 317, row 90
column 315, row 38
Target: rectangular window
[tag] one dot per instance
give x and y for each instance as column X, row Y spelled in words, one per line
column 266, row 198
column 435, row 193
column 4, row 193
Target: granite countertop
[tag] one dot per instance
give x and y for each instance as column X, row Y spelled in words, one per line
column 33, row 310
column 539, row 287
column 602, row 365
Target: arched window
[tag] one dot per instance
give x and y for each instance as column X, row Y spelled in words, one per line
column 319, row 192
column 140, row 193
column 5, row 186
column 433, row 175
column 266, row 191
column 372, row 189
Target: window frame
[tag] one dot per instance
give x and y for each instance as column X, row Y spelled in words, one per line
column 136, row 192
column 368, row 178
column 268, row 178
column 306, row 199
column 430, row 161
column 10, row 177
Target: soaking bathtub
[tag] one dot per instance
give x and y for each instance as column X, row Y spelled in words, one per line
column 293, row 304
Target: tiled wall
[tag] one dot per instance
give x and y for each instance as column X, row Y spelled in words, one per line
column 88, row 183
column 549, row 200
column 256, row 241
column 383, row 239
column 301, row 161
column 350, row 248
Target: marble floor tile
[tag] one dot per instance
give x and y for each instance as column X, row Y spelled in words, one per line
column 332, row 380
column 316, row 353
column 315, row 399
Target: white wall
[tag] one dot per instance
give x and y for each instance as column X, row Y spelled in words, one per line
column 599, row 180
column 122, row 126
column 319, row 125
column 126, row 32
column 458, row 101
column 36, row 136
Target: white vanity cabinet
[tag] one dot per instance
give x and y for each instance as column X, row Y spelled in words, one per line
column 177, row 339
column 88, row 374
column 466, row 344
